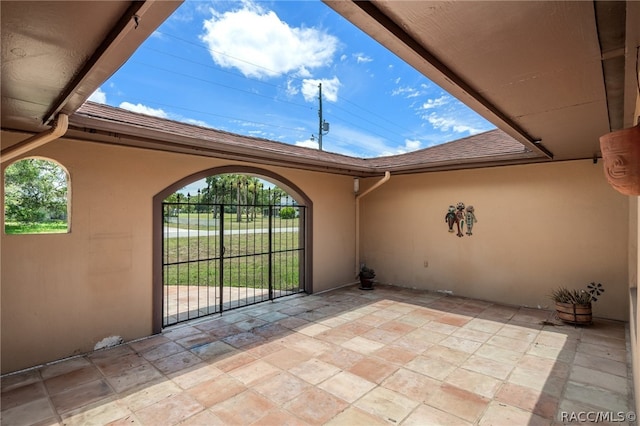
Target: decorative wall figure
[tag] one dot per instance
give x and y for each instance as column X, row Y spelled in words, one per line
column 450, row 217
column 471, row 219
column 460, row 217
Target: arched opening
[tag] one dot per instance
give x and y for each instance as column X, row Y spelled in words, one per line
column 228, row 237
column 36, row 197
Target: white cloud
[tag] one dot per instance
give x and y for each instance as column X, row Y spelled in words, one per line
column 343, row 58
column 195, row 122
column 308, row 144
column 435, row 103
column 450, row 123
column 412, row 145
column 259, row 44
column 361, row 58
column 329, row 89
column 98, row 96
column 143, row 109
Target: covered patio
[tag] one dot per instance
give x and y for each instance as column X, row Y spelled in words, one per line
column 346, row 356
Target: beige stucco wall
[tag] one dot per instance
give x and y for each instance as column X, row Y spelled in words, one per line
column 539, row 226
column 634, row 297
column 63, row 293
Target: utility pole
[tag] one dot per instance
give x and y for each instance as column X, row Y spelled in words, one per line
column 323, row 126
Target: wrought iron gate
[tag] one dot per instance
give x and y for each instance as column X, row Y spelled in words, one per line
column 229, row 246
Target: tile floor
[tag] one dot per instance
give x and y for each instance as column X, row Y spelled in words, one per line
column 345, row 357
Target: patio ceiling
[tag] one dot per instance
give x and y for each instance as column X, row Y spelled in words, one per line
column 55, row 54
column 555, row 75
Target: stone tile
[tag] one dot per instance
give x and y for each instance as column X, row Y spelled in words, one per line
column 243, row 409
column 460, row 344
column 382, row 336
column 362, row 345
column 347, row 386
column 177, row 362
column 599, row 379
column 305, row 344
column 543, row 365
column 194, row 340
column 63, row 367
column 119, row 364
column 232, row 361
column 415, row 386
column 203, row 418
column 533, row 401
column 594, row 396
column 601, row 364
column 440, row 327
column 341, row 358
column 313, row 329
column 499, row 354
column 386, row 404
column 134, row 377
column 80, row 396
column 607, row 352
column 432, row 367
column 473, row 335
column 100, row 413
column 427, row 415
column 180, row 332
column 216, row 390
column 170, row 411
column 373, row 369
column 286, row 358
column 250, row 323
column 514, row 345
column 553, row 353
column 452, row 356
column 242, row 340
column 162, row 351
column 150, row 394
column 502, row 414
column 489, row 367
column 271, row 331
column 519, row 333
column 537, row 380
column 355, row 417
column 194, row 375
column 474, row 382
column 148, row 343
column 254, row 372
column 394, row 354
column 17, row 380
column 282, row 388
column 453, row 319
column 459, row 402
column 276, row 417
column 316, row 406
column 397, row 327
column 22, row 395
column 314, row 371
column 31, row 412
column 484, row 325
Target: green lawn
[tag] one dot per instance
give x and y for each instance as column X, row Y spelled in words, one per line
column 247, row 221
column 196, row 261
column 54, row 227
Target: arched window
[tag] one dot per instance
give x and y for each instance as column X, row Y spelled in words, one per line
column 36, row 197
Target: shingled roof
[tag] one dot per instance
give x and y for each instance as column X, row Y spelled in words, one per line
column 107, row 124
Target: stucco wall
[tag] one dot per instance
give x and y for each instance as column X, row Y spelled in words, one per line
column 62, row 293
column 539, row 226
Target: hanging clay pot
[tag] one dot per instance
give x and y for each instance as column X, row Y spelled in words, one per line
column 621, row 157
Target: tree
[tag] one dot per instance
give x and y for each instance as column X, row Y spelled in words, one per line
column 35, row 191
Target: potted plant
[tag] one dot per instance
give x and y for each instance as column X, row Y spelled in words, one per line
column 574, row 306
column 366, row 276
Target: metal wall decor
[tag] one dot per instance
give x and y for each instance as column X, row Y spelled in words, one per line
column 460, row 216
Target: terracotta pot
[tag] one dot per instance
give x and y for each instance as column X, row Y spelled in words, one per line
column 574, row 314
column 621, row 157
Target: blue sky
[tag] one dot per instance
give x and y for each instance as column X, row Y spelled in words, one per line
column 253, row 68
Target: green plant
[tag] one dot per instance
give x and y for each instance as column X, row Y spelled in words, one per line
column 578, row 297
column 287, row 213
column 367, row 273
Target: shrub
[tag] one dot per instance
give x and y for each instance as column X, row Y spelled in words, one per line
column 287, row 213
